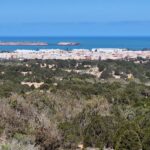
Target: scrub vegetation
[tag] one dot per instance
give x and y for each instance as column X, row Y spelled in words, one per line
column 68, row 104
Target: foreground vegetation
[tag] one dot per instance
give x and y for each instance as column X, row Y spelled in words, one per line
column 55, row 104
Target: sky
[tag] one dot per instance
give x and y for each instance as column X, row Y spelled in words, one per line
column 74, row 18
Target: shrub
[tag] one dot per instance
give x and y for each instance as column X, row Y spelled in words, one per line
column 46, row 140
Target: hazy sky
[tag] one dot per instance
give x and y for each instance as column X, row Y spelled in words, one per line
column 74, row 18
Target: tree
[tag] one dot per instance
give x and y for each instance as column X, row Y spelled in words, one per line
column 101, row 66
column 99, row 132
column 146, row 139
column 129, row 141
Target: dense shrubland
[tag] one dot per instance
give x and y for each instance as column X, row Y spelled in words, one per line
column 74, row 107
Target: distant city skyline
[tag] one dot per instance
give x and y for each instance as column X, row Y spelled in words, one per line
column 74, row 18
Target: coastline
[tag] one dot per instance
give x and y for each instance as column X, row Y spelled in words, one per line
column 76, row 54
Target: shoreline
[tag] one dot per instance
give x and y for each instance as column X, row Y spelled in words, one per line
column 76, row 54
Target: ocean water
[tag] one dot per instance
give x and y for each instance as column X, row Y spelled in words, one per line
column 134, row 43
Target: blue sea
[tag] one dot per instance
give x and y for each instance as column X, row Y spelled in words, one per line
column 134, row 43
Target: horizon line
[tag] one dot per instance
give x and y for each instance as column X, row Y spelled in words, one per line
column 100, row 36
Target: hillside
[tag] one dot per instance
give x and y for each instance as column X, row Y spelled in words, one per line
column 67, row 104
